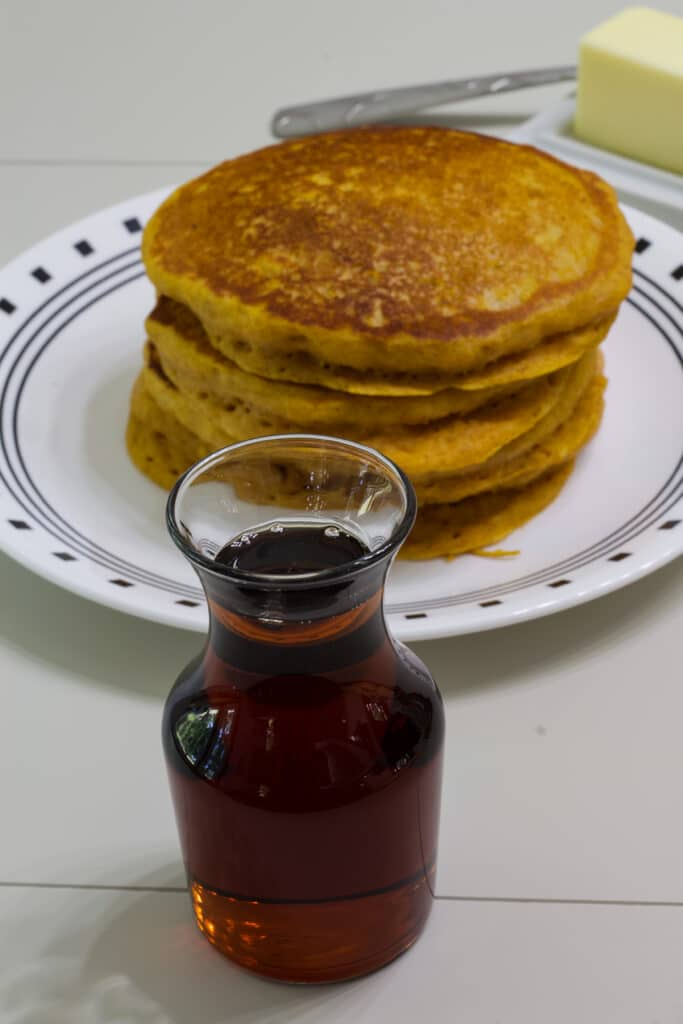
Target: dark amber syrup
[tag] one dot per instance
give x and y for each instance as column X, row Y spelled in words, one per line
column 304, row 752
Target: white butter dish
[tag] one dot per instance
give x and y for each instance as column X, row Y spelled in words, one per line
column 552, row 130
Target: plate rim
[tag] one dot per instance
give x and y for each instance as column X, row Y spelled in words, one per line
column 413, row 625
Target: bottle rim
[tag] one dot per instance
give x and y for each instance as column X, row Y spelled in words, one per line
column 304, row 580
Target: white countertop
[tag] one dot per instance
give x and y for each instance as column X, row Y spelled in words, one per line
column 560, row 888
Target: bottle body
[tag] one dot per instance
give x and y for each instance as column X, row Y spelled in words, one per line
column 307, row 799
column 304, row 746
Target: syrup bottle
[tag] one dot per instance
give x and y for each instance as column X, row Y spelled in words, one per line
column 304, row 745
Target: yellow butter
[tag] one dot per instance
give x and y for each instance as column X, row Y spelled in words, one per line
column 630, row 87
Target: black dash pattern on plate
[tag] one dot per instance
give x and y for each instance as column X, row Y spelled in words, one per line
column 6, row 306
column 641, row 245
column 121, row 583
column 677, row 274
column 669, row 524
column 64, row 556
column 620, row 556
column 19, row 524
column 132, row 225
column 559, row 583
column 84, row 247
column 188, row 604
column 41, row 275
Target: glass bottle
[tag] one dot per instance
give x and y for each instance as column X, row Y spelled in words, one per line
column 304, row 744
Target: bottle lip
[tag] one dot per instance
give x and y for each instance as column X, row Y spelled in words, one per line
column 304, row 580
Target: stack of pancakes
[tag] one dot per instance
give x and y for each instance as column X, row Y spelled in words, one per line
column 435, row 294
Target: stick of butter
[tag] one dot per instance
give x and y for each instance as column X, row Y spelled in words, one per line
column 630, row 87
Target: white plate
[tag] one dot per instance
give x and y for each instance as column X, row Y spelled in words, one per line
column 74, row 509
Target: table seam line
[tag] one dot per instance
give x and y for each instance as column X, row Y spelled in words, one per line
column 114, row 162
column 540, row 900
column 568, row 901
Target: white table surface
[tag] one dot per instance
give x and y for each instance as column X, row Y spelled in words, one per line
column 560, row 889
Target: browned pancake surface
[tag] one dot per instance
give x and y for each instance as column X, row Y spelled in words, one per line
column 410, row 248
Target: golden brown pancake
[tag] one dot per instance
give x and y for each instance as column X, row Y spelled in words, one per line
column 158, row 445
column 392, row 249
column 552, row 354
column 193, row 364
column 561, row 446
column 453, row 529
column 431, row 450
column 298, row 367
column 162, row 448
column 579, row 377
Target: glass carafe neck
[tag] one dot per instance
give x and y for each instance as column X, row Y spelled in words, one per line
column 296, row 628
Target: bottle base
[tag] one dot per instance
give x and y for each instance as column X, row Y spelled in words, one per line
column 316, row 942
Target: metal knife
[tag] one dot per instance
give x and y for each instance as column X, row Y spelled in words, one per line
column 370, row 107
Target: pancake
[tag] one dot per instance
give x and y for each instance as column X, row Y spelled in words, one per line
column 560, row 447
column 390, row 249
column 238, row 418
column 552, row 354
column 194, row 366
column 151, row 431
column 454, row 529
column 191, row 362
column 579, row 377
column 157, row 444
column 161, row 448
column 557, row 351
column 440, row 448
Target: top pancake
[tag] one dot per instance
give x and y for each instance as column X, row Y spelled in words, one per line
column 393, row 248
